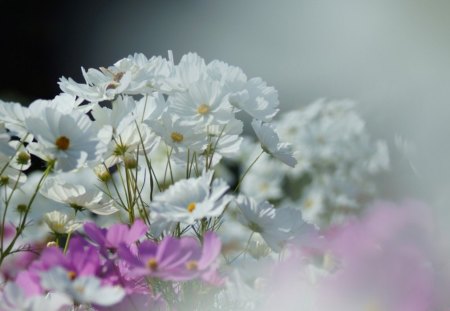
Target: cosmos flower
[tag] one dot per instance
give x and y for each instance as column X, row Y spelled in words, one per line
column 12, row 298
column 276, row 226
column 61, row 223
column 109, row 240
column 175, row 259
column 189, row 200
column 270, row 143
column 132, row 75
column 178, row 134
column 83, row 289
column 78, row 197
column 68, row 139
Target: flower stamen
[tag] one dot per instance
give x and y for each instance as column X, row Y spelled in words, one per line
column 176, row 137
column 152, row 264
column 192, row 265
column 203, row 109
column 191, row 207
column 62, row 143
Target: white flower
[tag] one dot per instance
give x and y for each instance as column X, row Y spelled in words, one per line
column 132, row 75
column 135, row 139
column 192, row 199
column 78, row 197
column 13, row 115
column 257, row 99
column 65, row 103
column 177, row 134
column 270, row 143
column 82, row 289
column 264, row 180
column 69, row 139
column 231, row 78
column 275, row 226
column 118, row 117
column 313, row 206
column 202, row 103
column 190, row 69
column 61, row 223
column 331, row 136
column 12, row 298
column 150, row 107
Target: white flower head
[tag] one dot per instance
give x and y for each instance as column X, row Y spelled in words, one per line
column 257, row 99
column 132, row 75
column 78, row 197
column 270, row 143
column 275, row 226
column 61, row 223
column 13, row 115
column 264, row 180
column 202, row 103
column 178, row 134
column 313, row 206
column 12, row 298
column 69, row 139
column 189, row 200
column 82, row 289
column 136, row 139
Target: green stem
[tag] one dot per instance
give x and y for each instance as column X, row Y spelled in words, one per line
column 247, row 170
column 23, row 221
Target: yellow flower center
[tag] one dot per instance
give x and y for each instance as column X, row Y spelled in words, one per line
column 177, row 137
column 203, row 109
column 71, row 275
column 191, row 207
column 152, row 264
column 118, row 76
column 309, row 203
column 62, row 143
column 192, row 265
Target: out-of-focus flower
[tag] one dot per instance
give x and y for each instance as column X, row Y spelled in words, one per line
column 61, row 223
column 174, row 259
column 12, row 298
column 109, row 240
column 83, row 289
column 270, row 143
column 387, row 260
column 275, row 226
column 78, row 197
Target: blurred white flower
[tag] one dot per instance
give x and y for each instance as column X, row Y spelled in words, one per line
column 12, row 298
column 61, row 223
column 276, row 226
column 78, row 197
column 257, row 99
column 82, row 289
column 270, row 143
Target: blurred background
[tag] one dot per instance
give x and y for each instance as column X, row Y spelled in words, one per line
column 390, row 56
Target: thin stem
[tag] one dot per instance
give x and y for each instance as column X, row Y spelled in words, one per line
column 22, row 224
column 247, row 170
column 244, row 250
column 2, row 228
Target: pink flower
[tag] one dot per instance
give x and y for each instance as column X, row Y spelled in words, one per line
column 387, row 260
column 174, row 259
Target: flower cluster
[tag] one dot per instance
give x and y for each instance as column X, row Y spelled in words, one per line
column 130, row 196
column 336, row 159
column 139, row 206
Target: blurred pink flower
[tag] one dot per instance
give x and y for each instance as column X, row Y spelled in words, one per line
column 385, row 260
